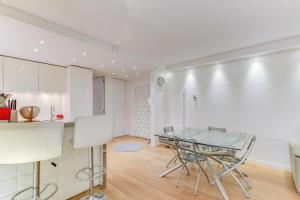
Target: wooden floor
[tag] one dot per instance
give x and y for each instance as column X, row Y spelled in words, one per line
column 135, row 176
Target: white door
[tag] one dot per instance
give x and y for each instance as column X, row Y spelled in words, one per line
column 142, row 112
column 118, row 106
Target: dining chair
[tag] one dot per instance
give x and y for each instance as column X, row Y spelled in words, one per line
column 232, row 162
column 187, row 154
column 169, row 130
column 211, row 128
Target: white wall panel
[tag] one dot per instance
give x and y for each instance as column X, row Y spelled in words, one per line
column 258, row 95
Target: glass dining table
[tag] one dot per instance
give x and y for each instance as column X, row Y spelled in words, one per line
column 210, row 139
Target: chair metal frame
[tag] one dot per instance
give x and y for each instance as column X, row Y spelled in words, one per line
column 185, row 149
column 231, row 167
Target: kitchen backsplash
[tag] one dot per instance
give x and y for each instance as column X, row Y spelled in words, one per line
column 43, row 100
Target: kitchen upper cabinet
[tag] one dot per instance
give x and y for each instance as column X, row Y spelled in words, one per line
column 80, row 89
column 52, row 78
column 20, row 75
column 1, row 73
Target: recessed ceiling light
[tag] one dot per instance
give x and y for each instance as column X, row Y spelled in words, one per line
column 134, row 67
column 113, row 61
column 113, row 73
column 74, row 59
column 84, row 53
column 101, row 65
column 42, row 42
column 35, row 50
column 137, row 73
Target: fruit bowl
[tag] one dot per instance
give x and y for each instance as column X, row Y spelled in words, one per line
column 29, row 112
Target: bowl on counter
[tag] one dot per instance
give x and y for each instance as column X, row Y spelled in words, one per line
column 29, row 112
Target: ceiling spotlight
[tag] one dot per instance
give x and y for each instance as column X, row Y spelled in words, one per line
column 42, row 42
column 74, row 59
column 113, row 73
column 84, row 53
column 137, row 73
column 113, row 61
column 35, row 50
column 134, row 67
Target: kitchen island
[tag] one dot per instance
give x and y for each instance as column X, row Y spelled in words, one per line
column 60, row 171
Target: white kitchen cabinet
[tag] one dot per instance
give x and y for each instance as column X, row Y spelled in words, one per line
column 80, row 92
column 20, row 75
column 52, row 78
column 1, row 73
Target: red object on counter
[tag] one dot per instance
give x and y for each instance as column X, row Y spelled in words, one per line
column 60, row 116
column 5, row 113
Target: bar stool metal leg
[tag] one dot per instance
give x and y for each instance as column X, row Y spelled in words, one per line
column 36, row 180
column 36, row 189
column 92, row 195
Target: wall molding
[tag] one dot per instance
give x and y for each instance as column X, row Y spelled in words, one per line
column 271, row 47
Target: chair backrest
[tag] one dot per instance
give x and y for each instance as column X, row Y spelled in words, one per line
column 30, row 142
column 168, row 129
column 211, row 128
column 93, row 130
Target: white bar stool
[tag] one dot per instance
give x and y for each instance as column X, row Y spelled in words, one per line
column 92, row 131
column 31, row 142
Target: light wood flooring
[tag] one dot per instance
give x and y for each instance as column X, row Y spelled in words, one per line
column 135, row 176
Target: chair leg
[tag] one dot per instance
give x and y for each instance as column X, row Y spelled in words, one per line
column 205, row 174
column 179, row 176
column 244, row 178
column 172, row 160
column 217, row 180
column 241, row 185
column 197, row 183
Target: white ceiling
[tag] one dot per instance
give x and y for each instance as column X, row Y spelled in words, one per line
column 163, row 31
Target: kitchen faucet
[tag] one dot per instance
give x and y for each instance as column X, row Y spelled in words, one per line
column 52, row 111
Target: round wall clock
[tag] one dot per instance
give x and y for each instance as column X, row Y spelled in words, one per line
column 160, row 81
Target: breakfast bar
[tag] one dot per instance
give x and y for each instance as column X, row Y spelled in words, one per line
column 60, row 171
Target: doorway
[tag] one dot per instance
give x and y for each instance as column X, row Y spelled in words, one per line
column 142, row 111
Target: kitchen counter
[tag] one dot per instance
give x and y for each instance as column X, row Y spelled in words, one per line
column 60, row 171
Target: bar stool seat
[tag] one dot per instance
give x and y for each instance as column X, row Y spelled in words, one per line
column 91, row 131
column 31, row 142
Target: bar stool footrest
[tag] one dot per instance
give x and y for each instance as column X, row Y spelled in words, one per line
column 85, row 173
column 43, row 189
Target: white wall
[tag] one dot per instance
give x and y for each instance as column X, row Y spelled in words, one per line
column 130, row 102
column 258, row 95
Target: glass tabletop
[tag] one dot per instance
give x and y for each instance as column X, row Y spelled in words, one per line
column 226, row 140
